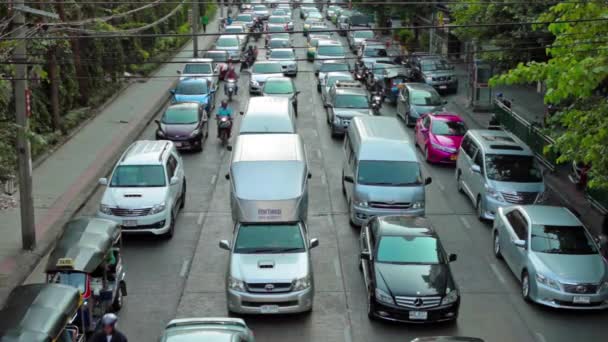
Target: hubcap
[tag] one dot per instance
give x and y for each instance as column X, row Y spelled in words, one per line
column 525, row 286
column 479, row 208
column 496, row 244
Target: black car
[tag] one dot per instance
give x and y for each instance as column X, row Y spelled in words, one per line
column 186, row 124
column 407, row 272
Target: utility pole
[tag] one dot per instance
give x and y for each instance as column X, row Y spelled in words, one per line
column 28, row 224
column 196, row 17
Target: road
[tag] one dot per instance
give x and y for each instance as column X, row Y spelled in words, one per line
column 185, row 276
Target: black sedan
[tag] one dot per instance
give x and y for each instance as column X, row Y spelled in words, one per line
column 186, row 124
column 407, row 272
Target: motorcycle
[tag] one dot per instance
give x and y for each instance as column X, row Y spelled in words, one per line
column 578, row 174
column 376, row 103
column 230, row 88
column 224, row 128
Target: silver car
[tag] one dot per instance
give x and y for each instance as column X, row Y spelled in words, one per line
column 230, row 44
column 345, row 101
column 261, row 12
column 207, row 329
column 356, row 38
column 287, row 58
column 260, row 72
column 330, row 66
column 246, row 18
column 330, row 79
column 240, row 30
column 281, row 20
column 328, row 50
column 282, row 87
column 200, row 67
column 553, row 255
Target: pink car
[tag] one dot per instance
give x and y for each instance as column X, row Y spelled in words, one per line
column 439, row 136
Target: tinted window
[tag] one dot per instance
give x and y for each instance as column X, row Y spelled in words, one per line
column 451, row 128
column 227, row 42
column 434, row 65
column 234, row 30
column 375, row 52
column 197, row 69
column 329, row 67
column 276, row 29
column 333, row 79
column 330, row 50
column 278, row 87
column 468, row 146
column 408, row 250
column 269, row 239
column 138, row 176
column 364, row 34
column 244, row 17
column 173, row 115
column 512, row 168
column 191, row 88
column 518, row 223
column 281, row 54
column 278, row 43
column 390, row 173
column 561, row 240
column 267, row 68
column 351, row 101
column 277, row 20
column 217, row 56
column 421, row 97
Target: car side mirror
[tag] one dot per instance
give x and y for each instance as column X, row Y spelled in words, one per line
column 241, row 113
column 366, row 256
column 174, row 180
column 452, row 257
column 227, row 176
column 348, row 179
column 172, row 91
column 313, row 243
column 476, row 168
column 225, row 244
column 309, row 175
column 229, row 148
column 103, row 181
column 179, row 72
column 519, row 243
column 428, row 180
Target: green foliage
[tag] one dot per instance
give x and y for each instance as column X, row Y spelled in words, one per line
column 576, row 77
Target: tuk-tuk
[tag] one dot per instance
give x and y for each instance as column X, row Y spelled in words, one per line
column 87, row 257
column 41, row 313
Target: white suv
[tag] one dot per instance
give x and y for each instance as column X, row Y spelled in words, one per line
column 146, row 189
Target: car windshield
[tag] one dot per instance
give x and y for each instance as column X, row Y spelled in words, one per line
column 375, row 52
column 278, row 44
column 561, row 240
column 73, row 279
column 244, row 17
column 389, row 173
column 363, row 34
column 278, row 87
column 512, row 168
column 260, row 8
column 180, row 115
column 267, row 68
column 451, row 128
column 333, row 79
column 329, row 67
column 434, row 65
column 408, row 250
column 351, row 101
column 332, row 50
column 277, row 20
column 202, row 68
column 314, row 14
column 276, row 29
column 274, row 238
column 281, row 54
column 217, row 56
column 279, row 12
column 227, row 42
column 138, row 176
column 234, row 30
column 191, row 88
column 425, row 98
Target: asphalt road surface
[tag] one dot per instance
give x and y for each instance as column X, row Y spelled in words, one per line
column 185, row 276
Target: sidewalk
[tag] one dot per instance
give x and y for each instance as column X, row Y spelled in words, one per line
column 68, row 177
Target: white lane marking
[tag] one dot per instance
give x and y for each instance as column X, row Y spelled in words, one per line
column 337, row 268
column 213, row 179
column 184, row 269
column 329, row 221
column 497, row 273
column 439, row 184
column 318, row 153
column 540, row 337
column 323, row 179
column 465, row 222
column 315, row 133
column 347, row 337
column 199, row 221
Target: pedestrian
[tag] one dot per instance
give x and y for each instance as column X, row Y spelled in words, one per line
column 109, row 333
column 205, row 21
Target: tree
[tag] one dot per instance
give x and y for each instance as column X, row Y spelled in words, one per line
column 576, row 77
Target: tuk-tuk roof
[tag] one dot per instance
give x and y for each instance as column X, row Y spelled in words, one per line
column 83, row 245
column 38, row 312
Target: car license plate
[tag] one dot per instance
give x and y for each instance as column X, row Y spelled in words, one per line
column 443, row 87
column 454, row 157
column 129, row 223
column 419, row 315
column 269, row 309
column 581, row 300
column 178, row 144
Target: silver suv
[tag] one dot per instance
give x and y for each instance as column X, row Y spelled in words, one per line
column 345, row 100
column 436, row 72
column 496, row 169
column 270, row 270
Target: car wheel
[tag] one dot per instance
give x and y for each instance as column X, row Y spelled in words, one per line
column 182, row 199
column 497, row 252
column 480, row 209
column 426, row 154
column 370, row 307
column 117, row 303
column 525, row 286
column 459, row 182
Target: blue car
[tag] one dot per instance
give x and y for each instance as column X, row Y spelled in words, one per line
column 194, row 90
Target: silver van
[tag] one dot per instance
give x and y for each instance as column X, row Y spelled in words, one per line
column 268, row 114
column 496, row 169
column 270, row 269
column 381, row 174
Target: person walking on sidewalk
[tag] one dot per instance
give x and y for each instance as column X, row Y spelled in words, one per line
column 205, row 21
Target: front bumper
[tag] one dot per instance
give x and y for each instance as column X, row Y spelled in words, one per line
column 290, row 69
column 157, row 224
column 401, row 314
column 359, row 215
column 255, row 88
column 551, row 297
column 250, row 303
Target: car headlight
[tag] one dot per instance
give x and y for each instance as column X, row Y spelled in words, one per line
column 384, row 297
column 450, row 298
column 604, row 286
column 363, row 204
column 302, row 283
column 195, row 132
column 236, row 284
column 157, row 208
column 106, row 209
column 428, row 78
column 254, row 83
column 493, row 193
column 418, row 205
column 443, row 148
column 541, row 279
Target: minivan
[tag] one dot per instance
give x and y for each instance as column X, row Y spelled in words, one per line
column 268, row 114
column 496, row 169
column 381, row 174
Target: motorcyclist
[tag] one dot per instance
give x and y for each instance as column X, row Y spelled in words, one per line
column 377, row 88
column 109, row 331
column 223, row 111
column 231, row 74
column 229, row 20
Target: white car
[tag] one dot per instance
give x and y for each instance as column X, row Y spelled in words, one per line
column 146, row 189
column 199, row 68
column 327, row 50
column 287, row 58
column 231, row 44
column 238, row 28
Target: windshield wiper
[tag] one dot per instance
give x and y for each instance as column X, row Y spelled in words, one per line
column 287, row 250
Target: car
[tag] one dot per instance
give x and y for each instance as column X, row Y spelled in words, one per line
column 496, row 169
column 281, row 20
column 268, row 115
column 207, row 329
column 417, row 99
column 371, row 51
column 230, row 44
column 261, row 12
column 285, row 7
column 287, row 58
column 330, row 79
column 313, row 25
column 146, row 189
column 328, row 50
column 553, row 255
column 282, row 87
column 305, row 8
column 434, row 71
column 194, row 90
column 345, row 101
column 356, row 38
column 313, row 43
column 330, row 66
column 186, row 124
column 278, row 43
column 220, row 60
column 275, row 31
column 343, row 23
column 407, row 271
column 313, row 15
column 200, row 67
column 439, row 136
column 238, row 28
column 245, row 18
column 331, row 10
column 260, row 72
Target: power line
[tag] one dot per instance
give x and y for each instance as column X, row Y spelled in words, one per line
column 108, row 18
column 341, row 4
